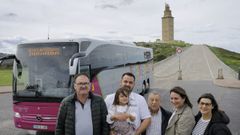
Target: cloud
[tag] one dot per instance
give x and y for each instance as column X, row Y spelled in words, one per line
column 236, row 28
column 113, row 4
column 126, row 2
column 196, row 21
column 201, row 31
column 112, row 32
column 9, row 45
column 11, row 15
column 105, row 6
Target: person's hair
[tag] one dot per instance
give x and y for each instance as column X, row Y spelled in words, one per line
column 154, row 93
column 128, row 74
column 180, row 91
column 122, row 90
column 213, row 101
column 80, row 74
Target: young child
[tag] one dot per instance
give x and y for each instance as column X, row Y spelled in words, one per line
column 121, row 109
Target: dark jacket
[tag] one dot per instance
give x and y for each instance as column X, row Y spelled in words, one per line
column 165, row 117
column 217, row 124
column 66, row 116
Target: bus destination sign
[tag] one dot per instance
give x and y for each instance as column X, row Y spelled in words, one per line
column 43, row 51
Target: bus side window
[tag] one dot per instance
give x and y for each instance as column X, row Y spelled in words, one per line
column 85, row 69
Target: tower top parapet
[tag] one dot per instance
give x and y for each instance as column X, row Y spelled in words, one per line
column 167, row 11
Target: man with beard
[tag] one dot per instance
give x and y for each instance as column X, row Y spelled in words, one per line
column 139, row 104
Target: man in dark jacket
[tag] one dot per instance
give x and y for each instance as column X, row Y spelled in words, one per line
column 160, row 116
column 82, row 113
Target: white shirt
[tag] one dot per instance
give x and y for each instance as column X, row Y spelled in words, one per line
column 155, row 128
column 120, row 109
column 137, row 102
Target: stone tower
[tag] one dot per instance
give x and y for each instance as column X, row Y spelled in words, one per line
column 167, row 25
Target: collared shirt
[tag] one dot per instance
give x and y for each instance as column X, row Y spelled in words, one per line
column 137, row 102
column 83, row 118
column 155, row 128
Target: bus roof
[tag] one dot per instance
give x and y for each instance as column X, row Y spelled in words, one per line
column 79, row 40
column 93, row 42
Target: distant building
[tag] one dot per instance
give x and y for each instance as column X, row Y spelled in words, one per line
column 167, row 25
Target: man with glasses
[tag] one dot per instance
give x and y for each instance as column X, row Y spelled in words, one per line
column 82, row 113
column 210, row 120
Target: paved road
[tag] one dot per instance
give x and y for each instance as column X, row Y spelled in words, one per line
column 6, row 121
column 199, row 72
column 196, row 63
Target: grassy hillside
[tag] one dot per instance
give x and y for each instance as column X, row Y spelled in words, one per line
column 163, row 50
column 5, row 77
column 231, row 59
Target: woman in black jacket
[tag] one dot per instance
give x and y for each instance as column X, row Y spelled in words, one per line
column 210, row 120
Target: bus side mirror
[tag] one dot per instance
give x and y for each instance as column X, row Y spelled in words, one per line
column 73, row 66
column 12, row 56
column 73, row 62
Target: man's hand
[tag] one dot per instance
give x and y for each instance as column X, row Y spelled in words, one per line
column 143, row 126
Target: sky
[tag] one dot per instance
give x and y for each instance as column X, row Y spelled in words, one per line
column 213, row 22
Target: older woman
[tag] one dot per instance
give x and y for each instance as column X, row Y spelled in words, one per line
column 182, row 120
column 210, row 120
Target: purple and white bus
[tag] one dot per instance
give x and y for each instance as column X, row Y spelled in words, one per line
column 43, row 73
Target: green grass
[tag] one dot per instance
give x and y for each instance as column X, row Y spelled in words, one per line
column 5, row 77
column 232, row 59
column 163, row 50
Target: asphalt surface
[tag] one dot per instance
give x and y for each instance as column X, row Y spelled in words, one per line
column 6, row 118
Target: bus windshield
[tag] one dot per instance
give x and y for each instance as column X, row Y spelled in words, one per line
column 43, row 70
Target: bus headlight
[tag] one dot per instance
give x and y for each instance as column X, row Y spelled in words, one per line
column 17, row 115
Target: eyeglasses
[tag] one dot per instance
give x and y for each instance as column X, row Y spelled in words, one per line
column 206, row 104
column 82, row 83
